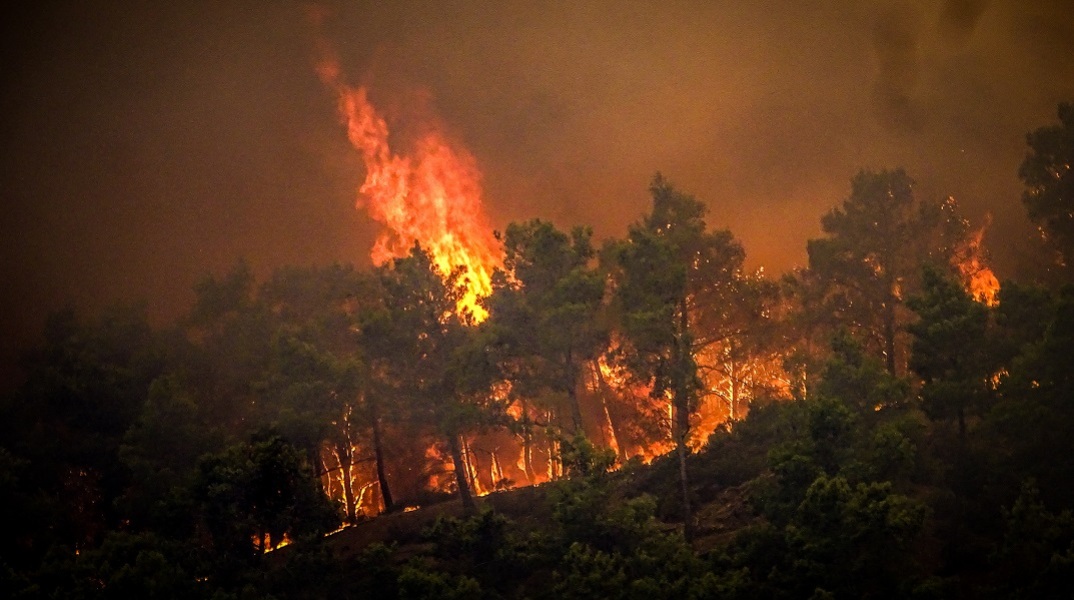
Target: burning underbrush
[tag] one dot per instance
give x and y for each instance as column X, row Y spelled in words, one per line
column 524, row 450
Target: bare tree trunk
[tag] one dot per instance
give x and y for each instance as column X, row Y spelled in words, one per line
column 687, row 511
column 604, row 390
column 527, row 458
column 889, row 330
column 733, row 412
column 470, row 459
column 681, row 423
column 498, row 475
column 554, row 466
column 571, row 381
column 378, row 455
column 461, row 480
column 343, row 457
column 326, row 472
column 527, row 445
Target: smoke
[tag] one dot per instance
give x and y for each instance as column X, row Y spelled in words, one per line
column 145, row 144
column 959, row 19
column 902, row 35
column 895, row 42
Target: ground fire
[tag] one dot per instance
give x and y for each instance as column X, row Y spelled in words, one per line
column 426, row 189
column 429, row 193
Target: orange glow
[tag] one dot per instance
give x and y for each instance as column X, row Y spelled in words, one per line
column 614, row 383
column 267, row 544
column 430, row 194
column 978, row 278
column 732, row 379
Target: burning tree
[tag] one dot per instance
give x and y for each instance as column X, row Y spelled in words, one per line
column 430, row 193
column 870, row 261
column 951, row 350
column 546, row 313
column 740, row 346
column 434, row 363
column 663, row 273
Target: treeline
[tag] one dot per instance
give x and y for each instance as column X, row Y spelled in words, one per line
column 894, row 422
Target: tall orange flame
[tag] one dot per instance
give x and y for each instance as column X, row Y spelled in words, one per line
column 432, row 195
column 977, row 276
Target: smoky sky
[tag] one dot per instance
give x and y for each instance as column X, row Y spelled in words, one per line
column 148, row 144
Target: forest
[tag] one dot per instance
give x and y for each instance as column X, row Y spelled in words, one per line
column 641, row 417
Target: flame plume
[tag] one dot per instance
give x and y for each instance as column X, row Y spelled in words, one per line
column 431, row 195
column 971, row 261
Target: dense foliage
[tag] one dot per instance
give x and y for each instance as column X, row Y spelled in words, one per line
column 883, row 432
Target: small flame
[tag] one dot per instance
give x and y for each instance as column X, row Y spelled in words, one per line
column 267, row 544
column 432, row 195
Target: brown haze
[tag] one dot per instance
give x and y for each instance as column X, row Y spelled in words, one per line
column 147, row 145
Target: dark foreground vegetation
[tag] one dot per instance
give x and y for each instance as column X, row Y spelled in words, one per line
column 890, row 428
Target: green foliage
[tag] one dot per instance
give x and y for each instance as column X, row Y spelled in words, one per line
column 84, row 388
column 1033, row 420
column 667, row 273
column 663, row 567
column 951, row 350
column 123, row 566
column 479, row 538
column 429, row 357
column 585, row 507
column 848, row 540
column 735, row 455
column 128, row 468
column 875, row 245
column 857, row 427
column 254, row 493
column 161, row 450
column 1036, row 556
column 1049, row 180
column 417, row 582
column 583, row 459
column 546, row 311
column 859, row 380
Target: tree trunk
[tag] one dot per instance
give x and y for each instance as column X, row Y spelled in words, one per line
column 527, row 445
column 889, row 330
column 687, row 512
column 470, row 459
column 732, row 413
column 571, row 381
column 613, row 426
column 555, row 466
column 343, row 457
column 378, row 455
column 461, row 481
column 681, row 408
column 498, row 476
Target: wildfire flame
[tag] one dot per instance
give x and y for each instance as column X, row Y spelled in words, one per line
column 428, row 191
column 978, row 278
column 430, row 195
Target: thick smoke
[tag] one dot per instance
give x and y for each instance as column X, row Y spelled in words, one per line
column 902, row 33
column 959, row 18
column 145, row 144
column 895, row 41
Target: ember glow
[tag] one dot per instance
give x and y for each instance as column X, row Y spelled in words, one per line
column 429, row 195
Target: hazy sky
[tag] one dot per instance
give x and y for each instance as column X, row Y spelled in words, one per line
column 149, row 144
